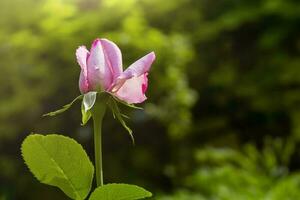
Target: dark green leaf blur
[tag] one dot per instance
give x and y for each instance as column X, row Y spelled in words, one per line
column 222, row 119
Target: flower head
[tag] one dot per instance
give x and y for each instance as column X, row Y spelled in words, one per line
column 102, row 69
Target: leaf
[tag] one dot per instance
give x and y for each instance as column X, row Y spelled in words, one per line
column 89, row 100
column 116, row 191
column 65, row 107
column 59, row 161
column 119, row 116
column 85, row 115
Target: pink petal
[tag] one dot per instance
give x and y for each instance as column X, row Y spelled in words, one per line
column 81, row 55
column 139, row 67
column 133, row 90
column 113, row 57
column 99, row 72
column 83, row 83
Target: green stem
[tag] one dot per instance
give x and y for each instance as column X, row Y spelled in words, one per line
column 98, row 114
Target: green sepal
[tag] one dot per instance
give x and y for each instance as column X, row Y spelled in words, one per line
column 64, row 108
column 86, row 115
column 89, row 100
column 119, row 116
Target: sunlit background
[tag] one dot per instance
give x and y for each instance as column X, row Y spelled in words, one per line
column 222, row 119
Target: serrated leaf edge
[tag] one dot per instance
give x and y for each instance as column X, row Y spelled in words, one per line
column 33, row 135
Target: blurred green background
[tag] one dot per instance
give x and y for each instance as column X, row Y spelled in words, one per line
column 222, row 119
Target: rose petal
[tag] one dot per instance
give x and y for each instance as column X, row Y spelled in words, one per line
column 83, row 83
column 133, row 90
column 81, row 54
column 139, row 67
column 98, row 70
column 113, row 57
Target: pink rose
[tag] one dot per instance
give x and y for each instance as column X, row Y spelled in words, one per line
column 102, row 69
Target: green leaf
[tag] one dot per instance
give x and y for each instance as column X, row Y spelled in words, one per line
column 65, row 107
column 116, row 191
column 59, row 161
column 86, row 115
column 119, row 116
column 89, row 100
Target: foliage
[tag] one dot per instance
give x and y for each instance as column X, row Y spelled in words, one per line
column 224, row 173
column 59, row 161
column 119, row 192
